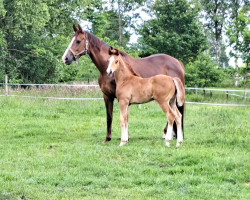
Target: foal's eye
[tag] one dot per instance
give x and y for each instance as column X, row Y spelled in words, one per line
column 116, row 62
column 78, row 41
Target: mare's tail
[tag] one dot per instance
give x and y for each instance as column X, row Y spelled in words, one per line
column 180, row 91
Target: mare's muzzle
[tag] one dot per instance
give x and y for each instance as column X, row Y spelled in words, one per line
column 69, row 59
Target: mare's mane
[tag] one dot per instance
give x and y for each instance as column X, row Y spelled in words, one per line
column 95, row 41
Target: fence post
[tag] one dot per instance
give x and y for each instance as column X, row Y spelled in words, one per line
column 6, row 85
column 245, row 94
column 196, row 90
column 211, row 94
column 227, row 95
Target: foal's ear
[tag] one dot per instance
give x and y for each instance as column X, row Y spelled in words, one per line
column 75, row 28
column 80, row 28
column 113, row 51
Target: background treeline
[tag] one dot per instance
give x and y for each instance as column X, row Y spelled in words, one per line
column 34, row 35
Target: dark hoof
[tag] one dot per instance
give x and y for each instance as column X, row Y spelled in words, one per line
column 107, row 140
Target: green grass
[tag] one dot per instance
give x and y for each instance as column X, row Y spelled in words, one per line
column 52, row 149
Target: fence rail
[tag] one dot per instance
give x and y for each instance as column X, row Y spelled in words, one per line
column 195, row 89
column 89, row 85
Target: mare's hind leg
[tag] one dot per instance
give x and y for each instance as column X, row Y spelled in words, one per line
column 124, row 109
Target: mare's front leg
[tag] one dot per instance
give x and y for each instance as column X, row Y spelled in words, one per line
column 124, row 109
column 109, row 102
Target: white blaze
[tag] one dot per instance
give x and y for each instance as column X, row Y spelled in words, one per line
column 110, row 64
column 68, row 48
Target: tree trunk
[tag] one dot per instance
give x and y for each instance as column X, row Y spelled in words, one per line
column 119, row 23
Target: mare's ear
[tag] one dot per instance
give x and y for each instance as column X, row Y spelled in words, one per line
column 80, row 28
column 113, row 51
column 75, row 28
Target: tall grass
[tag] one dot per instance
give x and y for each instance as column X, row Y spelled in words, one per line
column 51, row 149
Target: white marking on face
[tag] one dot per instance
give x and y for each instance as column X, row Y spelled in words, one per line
column 68, row 48
column 110, row 64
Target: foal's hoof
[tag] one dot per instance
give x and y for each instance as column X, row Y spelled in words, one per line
column 178, row 144
column 167, row 143
column 123, row 143
column 164, row 136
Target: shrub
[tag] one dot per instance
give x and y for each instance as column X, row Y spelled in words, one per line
column 203, row 72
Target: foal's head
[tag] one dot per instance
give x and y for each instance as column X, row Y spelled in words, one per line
column 77, row 47
column 117, row 61
column 114, row 60
column 114, row 63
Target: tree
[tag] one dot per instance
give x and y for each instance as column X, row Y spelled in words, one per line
column 215, row 15
column 238, row 32
column 122, row 10
column 174, row 30
column 33, row 36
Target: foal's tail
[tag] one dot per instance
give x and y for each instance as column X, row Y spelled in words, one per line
column 180, row 91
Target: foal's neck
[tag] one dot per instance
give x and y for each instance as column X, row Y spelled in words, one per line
column 122, row 73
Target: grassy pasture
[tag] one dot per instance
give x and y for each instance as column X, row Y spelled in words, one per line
column 52, row 149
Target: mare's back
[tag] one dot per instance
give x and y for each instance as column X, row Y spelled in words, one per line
column 158, row 64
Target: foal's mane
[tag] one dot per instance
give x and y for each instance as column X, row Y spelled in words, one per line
column 122, row 57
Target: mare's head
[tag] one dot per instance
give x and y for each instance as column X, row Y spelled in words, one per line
column 77, row 47
column 114, row 60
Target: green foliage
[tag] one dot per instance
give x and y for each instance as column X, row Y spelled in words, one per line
column 239, row 35
column 34, row 34
column 174, row 30
column 33, row 37
column 203, row 72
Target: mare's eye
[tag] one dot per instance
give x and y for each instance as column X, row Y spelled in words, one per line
column 78, row 41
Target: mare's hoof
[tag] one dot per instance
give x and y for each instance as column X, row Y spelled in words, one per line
column 123, row 143
column 106, row 140
column 168, row 144
column 174, row 134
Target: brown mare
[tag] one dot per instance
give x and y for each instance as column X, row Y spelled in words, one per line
column 132, row 89
column 83, row 43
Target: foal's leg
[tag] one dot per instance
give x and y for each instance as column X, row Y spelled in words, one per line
column 171, row 117
column 178, row 120
column 165, row 132
column 124, row 109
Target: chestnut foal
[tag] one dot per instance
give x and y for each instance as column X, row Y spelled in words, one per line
column 132, row 89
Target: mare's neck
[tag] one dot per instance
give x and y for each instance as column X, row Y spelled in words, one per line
column 98, row 52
